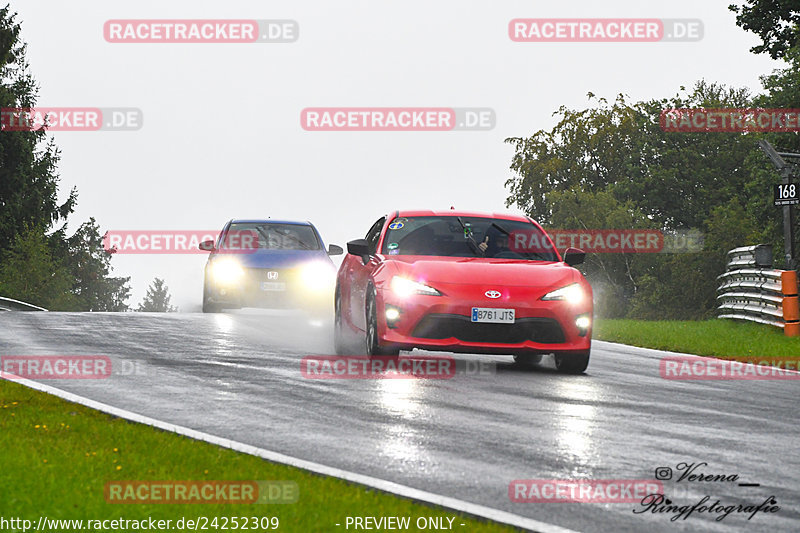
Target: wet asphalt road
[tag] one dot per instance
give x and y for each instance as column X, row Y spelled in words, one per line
column 238, row 376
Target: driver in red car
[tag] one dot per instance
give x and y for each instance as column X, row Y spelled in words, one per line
column 494, row 243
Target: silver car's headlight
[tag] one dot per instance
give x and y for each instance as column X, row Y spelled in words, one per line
column 403, row 287
column 317, row 276
column 226, row 271
column 572, row 293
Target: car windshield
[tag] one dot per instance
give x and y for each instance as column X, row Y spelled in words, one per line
column 454, row 236
column 273, row 236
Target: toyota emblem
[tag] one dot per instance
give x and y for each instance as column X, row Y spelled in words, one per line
column 493, row 294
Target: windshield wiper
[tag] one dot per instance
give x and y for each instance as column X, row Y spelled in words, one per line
column 526, row 253
column 470, row 239
column 281, row 232
column 501, row 228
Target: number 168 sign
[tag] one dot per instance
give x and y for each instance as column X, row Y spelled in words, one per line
column 786, row 194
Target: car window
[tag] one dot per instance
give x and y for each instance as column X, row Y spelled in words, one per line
column 374, row 234
column 272, row 236
column 453, row 236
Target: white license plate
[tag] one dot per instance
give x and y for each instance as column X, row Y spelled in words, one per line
column 273, row 286
column 492, row 315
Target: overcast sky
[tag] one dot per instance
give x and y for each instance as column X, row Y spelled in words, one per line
column 222, row 137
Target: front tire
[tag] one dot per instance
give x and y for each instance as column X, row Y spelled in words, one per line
column 209, row 307
column 339, row 342
column 373, row 347
column 572, row 363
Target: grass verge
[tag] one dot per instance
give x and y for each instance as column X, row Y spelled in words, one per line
column 725, row 339
column 57, row 457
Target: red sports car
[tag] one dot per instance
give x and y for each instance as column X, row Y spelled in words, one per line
column 463, row 282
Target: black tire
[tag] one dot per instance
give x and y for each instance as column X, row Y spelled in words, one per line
column 339, row 341
column 572, row 363
column 373, row 348
column 527, row 359
column 209, row 307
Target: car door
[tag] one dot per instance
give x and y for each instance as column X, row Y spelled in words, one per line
column 359, row 275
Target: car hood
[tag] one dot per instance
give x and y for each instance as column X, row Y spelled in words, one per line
column 483, row 271
column 277, row 258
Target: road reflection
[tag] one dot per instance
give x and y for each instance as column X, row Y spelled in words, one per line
column 402, row 400
column 575, row 423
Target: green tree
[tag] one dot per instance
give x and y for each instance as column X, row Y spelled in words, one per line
column 28, row 270
column 611, row 275
column 671, row 177
column 157, row 299
column 782, row 91
column 612, row 165
column 774, row 21
column 29, row 205
column 90, row 266
column 28, row 178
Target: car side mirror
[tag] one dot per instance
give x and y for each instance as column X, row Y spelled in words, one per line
column 359, row 247
column 207, row 246
column 335, row 250
column 574, row 256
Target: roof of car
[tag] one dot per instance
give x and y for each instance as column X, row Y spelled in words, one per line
column 459, row 213
column 268, row 221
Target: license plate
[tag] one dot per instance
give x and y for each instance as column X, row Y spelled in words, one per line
column 273, row 286
column 492, row 315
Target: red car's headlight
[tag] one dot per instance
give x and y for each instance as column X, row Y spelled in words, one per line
column 403, row 287
column 572, row 293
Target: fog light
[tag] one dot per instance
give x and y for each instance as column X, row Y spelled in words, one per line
column 582, row 322
column 392, row 316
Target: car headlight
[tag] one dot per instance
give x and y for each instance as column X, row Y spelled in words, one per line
column 403, row 287
column 571, row 293
column 226, row 271
column 317, row 276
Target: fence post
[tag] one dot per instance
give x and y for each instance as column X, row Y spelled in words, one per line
column 791, row 310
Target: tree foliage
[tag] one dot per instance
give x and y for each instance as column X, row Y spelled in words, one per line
column 776, row 22
column 611, row 165
column 28, row 268
column 157, row 299
column 33, row 223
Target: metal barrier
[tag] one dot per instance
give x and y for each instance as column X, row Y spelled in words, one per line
column 751, row 290
column 7, row 304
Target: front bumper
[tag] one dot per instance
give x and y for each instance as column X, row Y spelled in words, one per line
column 257, row 289
column 444, row 323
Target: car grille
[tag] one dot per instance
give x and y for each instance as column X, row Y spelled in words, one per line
column 442, row 326
column 252, row 295
column 261, row 274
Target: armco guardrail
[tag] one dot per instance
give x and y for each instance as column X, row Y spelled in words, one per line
column 7, row 304
column 752, row 290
